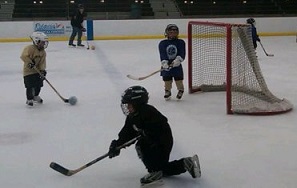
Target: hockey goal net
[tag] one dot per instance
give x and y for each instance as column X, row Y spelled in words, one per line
column 221, row 57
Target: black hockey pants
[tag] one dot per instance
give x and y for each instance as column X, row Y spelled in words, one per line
column 156, row 158
column 33, row 84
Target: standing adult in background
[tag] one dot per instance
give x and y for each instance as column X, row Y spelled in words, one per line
column 172, row 53
column 77, row 26
column 255, row 35
column 34, row 58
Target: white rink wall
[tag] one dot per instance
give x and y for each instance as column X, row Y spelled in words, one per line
column 142, row 29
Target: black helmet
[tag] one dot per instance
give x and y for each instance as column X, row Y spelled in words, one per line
column 135, row 95
column 169, row 27
column 250, row 21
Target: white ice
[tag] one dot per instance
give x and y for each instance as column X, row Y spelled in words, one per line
column 235, row 151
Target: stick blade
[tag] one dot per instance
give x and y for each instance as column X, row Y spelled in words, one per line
column 270, row 55
column 60, row 169
column 137, row 78
column 133, row 77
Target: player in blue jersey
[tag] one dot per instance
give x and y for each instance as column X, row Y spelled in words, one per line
column 172, row 53
column 255, row 35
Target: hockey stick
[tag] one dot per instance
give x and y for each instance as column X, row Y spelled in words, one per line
column 65, row 100
column 68, row 172
column 88, row 46
column 267, row 54
column 144, row 77
column 86, row 38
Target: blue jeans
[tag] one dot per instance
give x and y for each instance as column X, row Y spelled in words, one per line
column 75, row 31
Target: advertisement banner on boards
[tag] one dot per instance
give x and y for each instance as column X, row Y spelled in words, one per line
column 53, row 28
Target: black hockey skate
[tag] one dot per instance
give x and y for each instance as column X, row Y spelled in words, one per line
column 151, row 178
column 29, row 103
column 179, row 94
column 167, row 95
column 37, row 99
column 192, row 165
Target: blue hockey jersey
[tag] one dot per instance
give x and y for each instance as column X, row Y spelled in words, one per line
column 169, row 50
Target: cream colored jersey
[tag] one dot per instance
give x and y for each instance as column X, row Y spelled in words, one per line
column 30, row 54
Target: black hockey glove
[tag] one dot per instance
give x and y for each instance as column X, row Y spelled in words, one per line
column 42, row 74
column 113, row 151
column 83, row 29
column 31, row 65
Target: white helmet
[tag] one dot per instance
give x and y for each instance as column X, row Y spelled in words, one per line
column 39, row 39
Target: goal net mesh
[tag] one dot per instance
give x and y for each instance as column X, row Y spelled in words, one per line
column 222, row 58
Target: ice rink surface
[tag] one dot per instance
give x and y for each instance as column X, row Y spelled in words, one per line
column 235, row 151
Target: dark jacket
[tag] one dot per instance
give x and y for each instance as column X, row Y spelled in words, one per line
column 77, row 19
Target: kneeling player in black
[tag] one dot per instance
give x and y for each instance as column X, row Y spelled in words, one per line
column 156, row 141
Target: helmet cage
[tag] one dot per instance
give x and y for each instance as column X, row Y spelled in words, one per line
column 125, row 109
column 168, row 31
column 136, row 96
